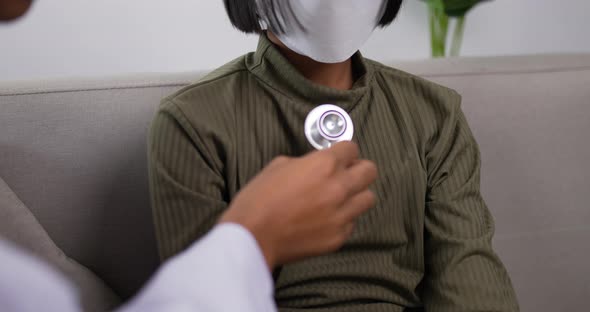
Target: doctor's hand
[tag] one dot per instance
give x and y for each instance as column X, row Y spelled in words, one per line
column 306, row 206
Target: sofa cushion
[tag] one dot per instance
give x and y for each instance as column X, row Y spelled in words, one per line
column 18, row 225
column 74, row 150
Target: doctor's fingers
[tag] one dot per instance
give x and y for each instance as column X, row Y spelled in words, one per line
column 278, row 162
column 356, row 206
column 358, row 177
column 345, row 153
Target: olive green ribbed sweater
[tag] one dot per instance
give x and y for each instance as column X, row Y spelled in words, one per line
column 426, row 244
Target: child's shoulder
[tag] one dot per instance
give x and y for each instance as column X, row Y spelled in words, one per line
column 217, row 83
column 420, row 90
column 409, row 82
column 422, row 100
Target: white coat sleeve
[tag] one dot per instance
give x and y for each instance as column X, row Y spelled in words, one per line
column 224, row 271
column 28, row 284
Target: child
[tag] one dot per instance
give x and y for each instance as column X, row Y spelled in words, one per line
column 425, row 245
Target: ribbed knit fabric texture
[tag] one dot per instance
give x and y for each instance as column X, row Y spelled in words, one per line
column 427, row 243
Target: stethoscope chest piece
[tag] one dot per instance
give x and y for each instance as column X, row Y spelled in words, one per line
column 326, row 125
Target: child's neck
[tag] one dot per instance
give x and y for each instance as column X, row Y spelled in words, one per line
column 333, row 75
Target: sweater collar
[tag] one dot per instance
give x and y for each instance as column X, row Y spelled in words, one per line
column 269, row 65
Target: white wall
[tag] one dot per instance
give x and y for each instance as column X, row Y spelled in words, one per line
column 89, row 37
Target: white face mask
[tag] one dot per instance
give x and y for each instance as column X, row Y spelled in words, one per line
column 334, row 29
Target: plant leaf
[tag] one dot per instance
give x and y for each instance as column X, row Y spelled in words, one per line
column 460, row 7
column 457, row 8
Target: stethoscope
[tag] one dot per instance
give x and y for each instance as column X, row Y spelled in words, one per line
column 326, row 125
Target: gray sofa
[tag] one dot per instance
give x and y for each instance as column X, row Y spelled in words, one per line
column 75, row 153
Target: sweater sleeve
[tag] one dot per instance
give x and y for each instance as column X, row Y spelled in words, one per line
column 463, row 273
column 187, row 189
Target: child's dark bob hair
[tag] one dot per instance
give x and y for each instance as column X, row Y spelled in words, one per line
column 246, row 15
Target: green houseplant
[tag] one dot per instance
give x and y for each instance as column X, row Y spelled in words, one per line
column 440, row 12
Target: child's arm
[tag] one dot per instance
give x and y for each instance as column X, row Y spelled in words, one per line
column 187, row 187
column 463, row 273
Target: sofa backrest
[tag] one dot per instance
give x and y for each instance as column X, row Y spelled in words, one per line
column 75, row 153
